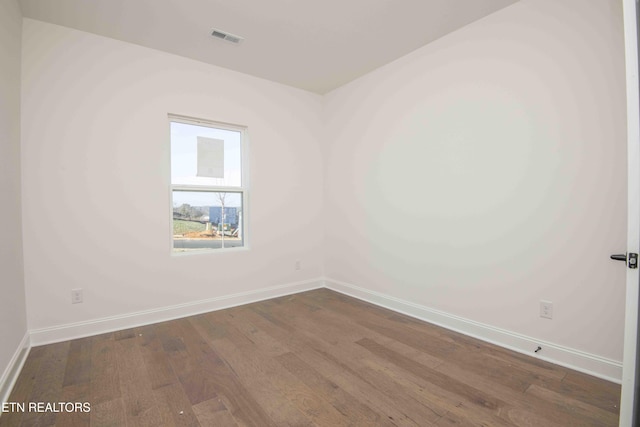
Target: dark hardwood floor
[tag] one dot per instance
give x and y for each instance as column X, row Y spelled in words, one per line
column 315, row 358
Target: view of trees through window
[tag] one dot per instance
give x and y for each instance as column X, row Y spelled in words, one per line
column 207, row 220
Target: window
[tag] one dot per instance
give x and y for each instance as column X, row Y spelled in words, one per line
column 208, row 185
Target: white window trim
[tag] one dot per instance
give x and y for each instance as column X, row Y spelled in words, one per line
column 244, row 189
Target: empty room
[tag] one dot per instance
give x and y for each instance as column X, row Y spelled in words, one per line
column 329, row 213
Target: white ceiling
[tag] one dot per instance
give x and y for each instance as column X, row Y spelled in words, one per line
column 316, row 45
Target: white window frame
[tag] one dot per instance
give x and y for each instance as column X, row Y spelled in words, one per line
column 243, row 189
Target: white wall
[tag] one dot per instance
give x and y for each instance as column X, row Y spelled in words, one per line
column 13, row 325
column 487, row 170
column 96, row 210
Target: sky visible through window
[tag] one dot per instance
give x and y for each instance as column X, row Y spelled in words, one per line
column 184, row 160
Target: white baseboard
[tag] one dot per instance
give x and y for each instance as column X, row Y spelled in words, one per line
column 601, row 367
column 109, row 324
column 10, row 375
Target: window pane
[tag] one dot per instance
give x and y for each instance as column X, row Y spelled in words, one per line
column 207, row 220
column 202, row 155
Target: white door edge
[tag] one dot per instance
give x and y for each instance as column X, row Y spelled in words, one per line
column 633, row 211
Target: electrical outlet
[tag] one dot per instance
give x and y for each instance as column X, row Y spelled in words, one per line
column 297, row 265
column 546, row 309
column 76, row 296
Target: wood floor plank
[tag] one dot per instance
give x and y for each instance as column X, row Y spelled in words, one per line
column 78, row 369
column 174, row 407
column 473, row 395
column 211, row 331
column 306, row 406
column 213, row 413
column 584, row 413
column 76, row 394
column 333, row 369
column 437, row 397
column 186, row 362
column 452, row 420
column 280, row 405
column 493, row 361
column 105, row 375
column 108, row 414
column 340, row 321
column 510, row 409
column 267, row 345
column 346, row 357
column 139, row 402
column 594, row 391
column 24, row 386
column 511, row 376
column 317, row 358
column 124, row 334
column 205, row 375
column 48, row 384
column 249, row 371
column 521, row 409
column 434, row 341
column 354, row 411
column 156, row 360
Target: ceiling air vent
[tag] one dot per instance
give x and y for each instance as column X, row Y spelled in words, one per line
column 222, row 35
